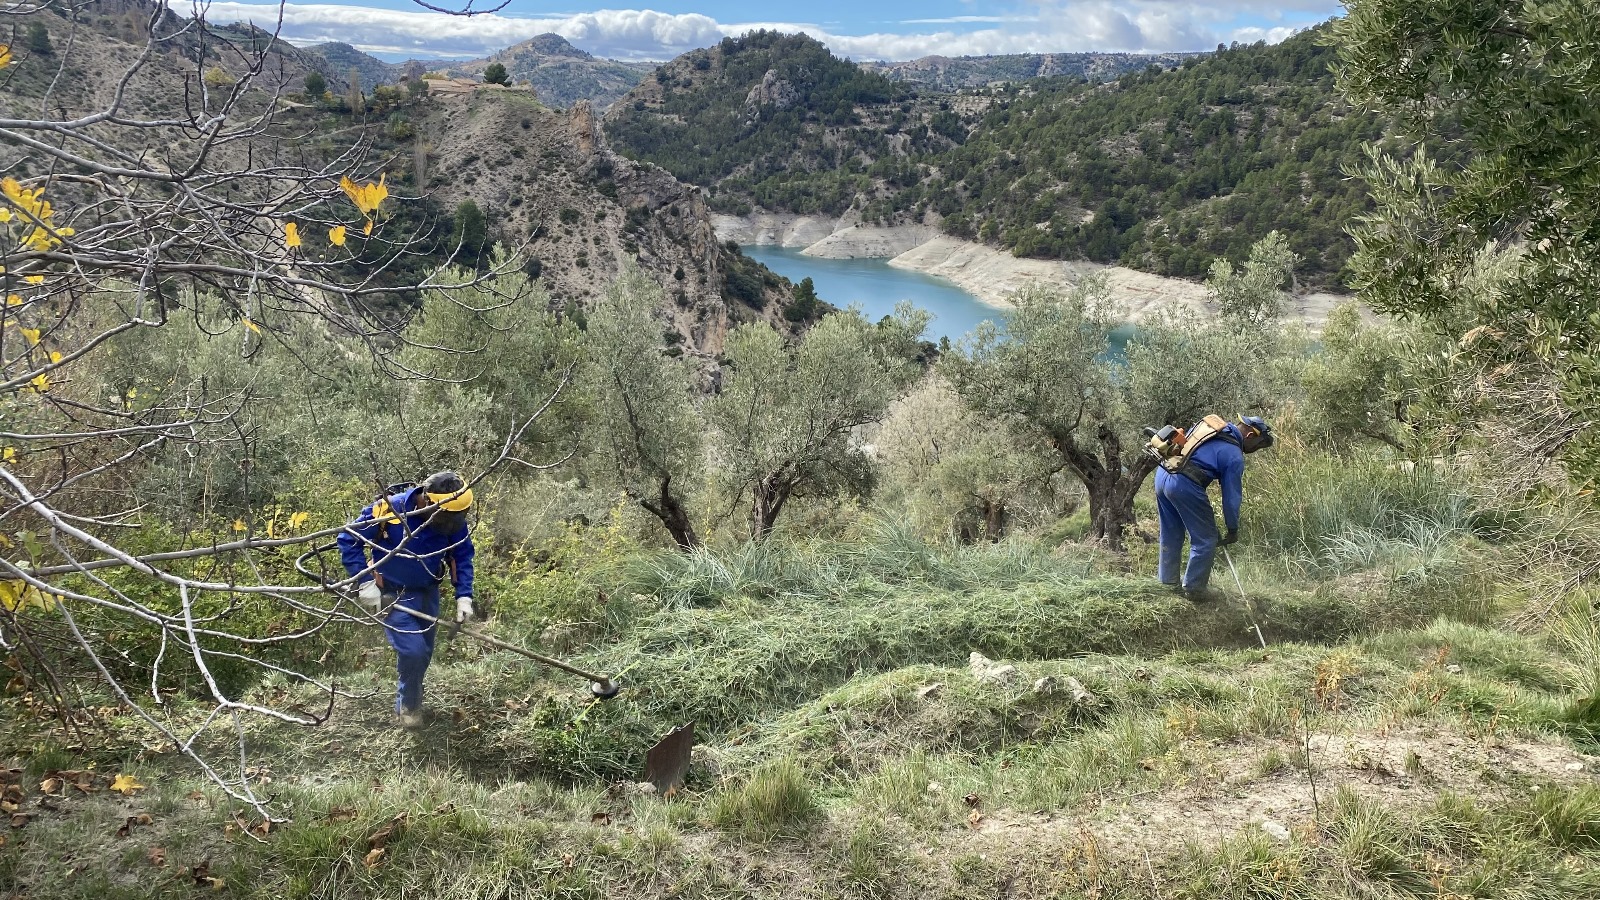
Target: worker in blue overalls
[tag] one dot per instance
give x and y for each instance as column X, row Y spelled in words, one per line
column 1214, row 451
column 400, row 550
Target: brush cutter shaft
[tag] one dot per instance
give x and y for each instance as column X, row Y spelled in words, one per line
column 599, row 685
column 502, row 645
column 1249, row 608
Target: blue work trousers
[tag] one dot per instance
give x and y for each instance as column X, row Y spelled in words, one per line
column 1184, row 508
column 412, row 640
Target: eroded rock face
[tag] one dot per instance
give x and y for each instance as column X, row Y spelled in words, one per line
column 553, row 187
column 586, row 134
column 774, row 91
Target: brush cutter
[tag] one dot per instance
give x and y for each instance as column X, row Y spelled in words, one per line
column 1249, row 609
column 600, row 686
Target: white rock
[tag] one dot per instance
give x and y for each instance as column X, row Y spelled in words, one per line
column 1575, row 767
column 1278, row 832
column 1047, row 685
column 999, row 675
column 979, row 663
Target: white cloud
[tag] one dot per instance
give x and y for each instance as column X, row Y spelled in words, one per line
column 1049, row 26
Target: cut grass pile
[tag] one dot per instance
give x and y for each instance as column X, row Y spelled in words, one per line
column 848, row 749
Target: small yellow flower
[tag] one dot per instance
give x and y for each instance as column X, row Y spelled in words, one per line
column 336, row 235
column 133, row 393
column 55, row 356
column 13, row 300
column 291, row 235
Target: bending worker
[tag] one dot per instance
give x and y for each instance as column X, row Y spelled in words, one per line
column 402, row 549
column 1213, row 451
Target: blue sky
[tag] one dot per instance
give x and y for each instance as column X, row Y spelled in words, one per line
column 887, row 29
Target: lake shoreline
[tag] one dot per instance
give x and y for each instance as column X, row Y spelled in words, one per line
column 990, row 275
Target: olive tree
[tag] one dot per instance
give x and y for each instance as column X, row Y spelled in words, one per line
column 644, row 431
column 1053, row 378
column 959, row 477
column 788, row 410
column 1510, row 86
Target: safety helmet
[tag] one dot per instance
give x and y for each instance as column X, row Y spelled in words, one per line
column 1256, row 434
column 449, row 492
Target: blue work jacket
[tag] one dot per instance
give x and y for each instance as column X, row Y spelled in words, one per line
column 408, row 555
column 1221, row 460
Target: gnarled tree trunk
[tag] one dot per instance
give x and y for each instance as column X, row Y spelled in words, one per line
column 669, row 508
column 1110, row 483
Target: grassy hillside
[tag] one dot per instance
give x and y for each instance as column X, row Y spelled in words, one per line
column 1396, row 737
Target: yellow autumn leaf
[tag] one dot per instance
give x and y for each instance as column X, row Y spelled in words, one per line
column 272, row 528
column 40, row 383
column 55, row 356
column 253, row 326
column 5, row 215
column 125, row 784
column 32, row 334
column 368, row 229
column 367, row 197
column 13, row 300
column 133, row 393
column 336, row 235
column 295, row 519
column 238, row 525
column 8, row 454
column 5, row 55
column 291, row 235
column 39, row 279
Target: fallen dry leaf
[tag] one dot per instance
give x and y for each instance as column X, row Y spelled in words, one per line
column 156, row 855
column 50, row 786
column 341, row 814
column 600, row 818
column 388, row 832
column 18, row 820
column 373, row 857
column 125, row 784
column 972, row 800
column 6, row 806
column 195, row 795
column 128, row 826
column 974, row 819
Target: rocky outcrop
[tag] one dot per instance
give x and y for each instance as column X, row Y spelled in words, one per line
column 773, row 91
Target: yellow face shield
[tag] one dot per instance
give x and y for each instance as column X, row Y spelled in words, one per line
column 452, row 502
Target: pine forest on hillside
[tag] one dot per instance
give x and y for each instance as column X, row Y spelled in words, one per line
column 1161, row 170
column 741, row 595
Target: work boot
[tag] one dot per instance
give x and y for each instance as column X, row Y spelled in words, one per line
column 409, row 719
column 1201, row 595
column 1173, row 586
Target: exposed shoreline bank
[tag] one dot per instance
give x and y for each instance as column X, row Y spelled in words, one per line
column 989, row 274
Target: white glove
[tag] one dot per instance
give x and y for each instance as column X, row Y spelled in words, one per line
column 463, row 608
column 370, row 596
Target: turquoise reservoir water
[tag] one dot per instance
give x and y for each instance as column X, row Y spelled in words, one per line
column 876, row 287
